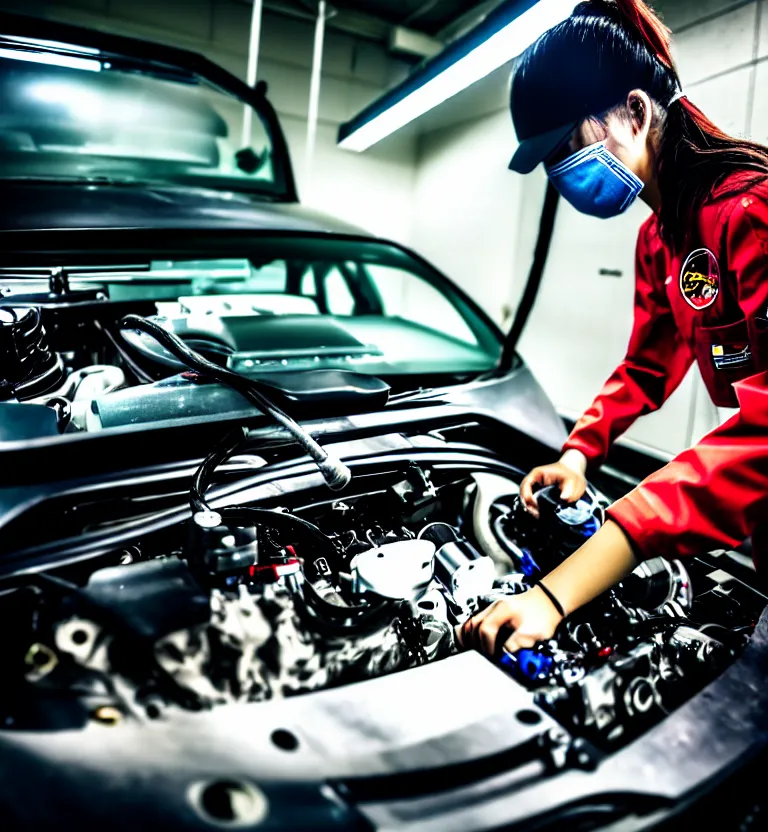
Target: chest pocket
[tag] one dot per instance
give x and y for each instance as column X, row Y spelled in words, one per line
column 725, row 355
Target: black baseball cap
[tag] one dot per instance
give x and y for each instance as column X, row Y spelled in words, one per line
column 562, row 79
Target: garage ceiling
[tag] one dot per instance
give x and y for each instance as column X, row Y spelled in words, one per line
column 430, row 16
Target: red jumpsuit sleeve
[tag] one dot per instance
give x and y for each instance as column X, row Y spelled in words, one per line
column 747, row 246
column 712, row 495
column 716, row 493
column 656, row 362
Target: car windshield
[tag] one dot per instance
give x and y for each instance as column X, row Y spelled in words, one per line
column 92, row 118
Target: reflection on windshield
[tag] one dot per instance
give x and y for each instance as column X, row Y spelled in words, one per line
column 69, row 121
column 354, row 288
column 230, row 287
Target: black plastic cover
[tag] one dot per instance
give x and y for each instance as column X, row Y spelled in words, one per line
column 151, row 599
column 326, row 392
column 312, row 394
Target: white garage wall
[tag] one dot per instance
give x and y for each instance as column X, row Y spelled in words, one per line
column 372, row 190
column 466, row 211
column 581, row 323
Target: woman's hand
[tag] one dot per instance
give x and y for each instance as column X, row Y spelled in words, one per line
column 525, row 619
column 522, row 620
column 569, row 474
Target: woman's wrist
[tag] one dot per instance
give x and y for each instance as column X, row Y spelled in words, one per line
column 553, row 599
column 575, row 460
column 552, row 610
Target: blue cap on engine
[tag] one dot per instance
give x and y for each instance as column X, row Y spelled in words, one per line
column 530, row 665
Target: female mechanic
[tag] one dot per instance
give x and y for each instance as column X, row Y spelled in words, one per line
column 598, row 101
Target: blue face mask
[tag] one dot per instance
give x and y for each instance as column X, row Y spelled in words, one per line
column 595, row 182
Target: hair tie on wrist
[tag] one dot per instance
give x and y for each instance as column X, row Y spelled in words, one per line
column 677, row 96
column 557, row 605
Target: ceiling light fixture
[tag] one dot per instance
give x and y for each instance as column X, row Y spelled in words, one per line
column 503, row 35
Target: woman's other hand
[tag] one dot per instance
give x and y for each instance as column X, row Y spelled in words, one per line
column 569, row 474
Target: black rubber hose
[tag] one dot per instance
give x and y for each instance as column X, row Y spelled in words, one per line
column 336, row 474
column 204, row 474
column 320, row 616
column 541, row 252
column 283, row 522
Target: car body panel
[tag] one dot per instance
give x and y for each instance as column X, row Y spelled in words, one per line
column 33, row 206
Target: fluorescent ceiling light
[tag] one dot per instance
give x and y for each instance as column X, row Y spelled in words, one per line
column 495, row 42
column 51, row 59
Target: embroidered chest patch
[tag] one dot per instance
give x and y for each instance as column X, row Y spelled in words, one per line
column 700, row 279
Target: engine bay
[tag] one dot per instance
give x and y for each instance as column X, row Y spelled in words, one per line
column 247, row 604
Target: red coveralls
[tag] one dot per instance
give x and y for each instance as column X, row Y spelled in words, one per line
column 709, row 304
